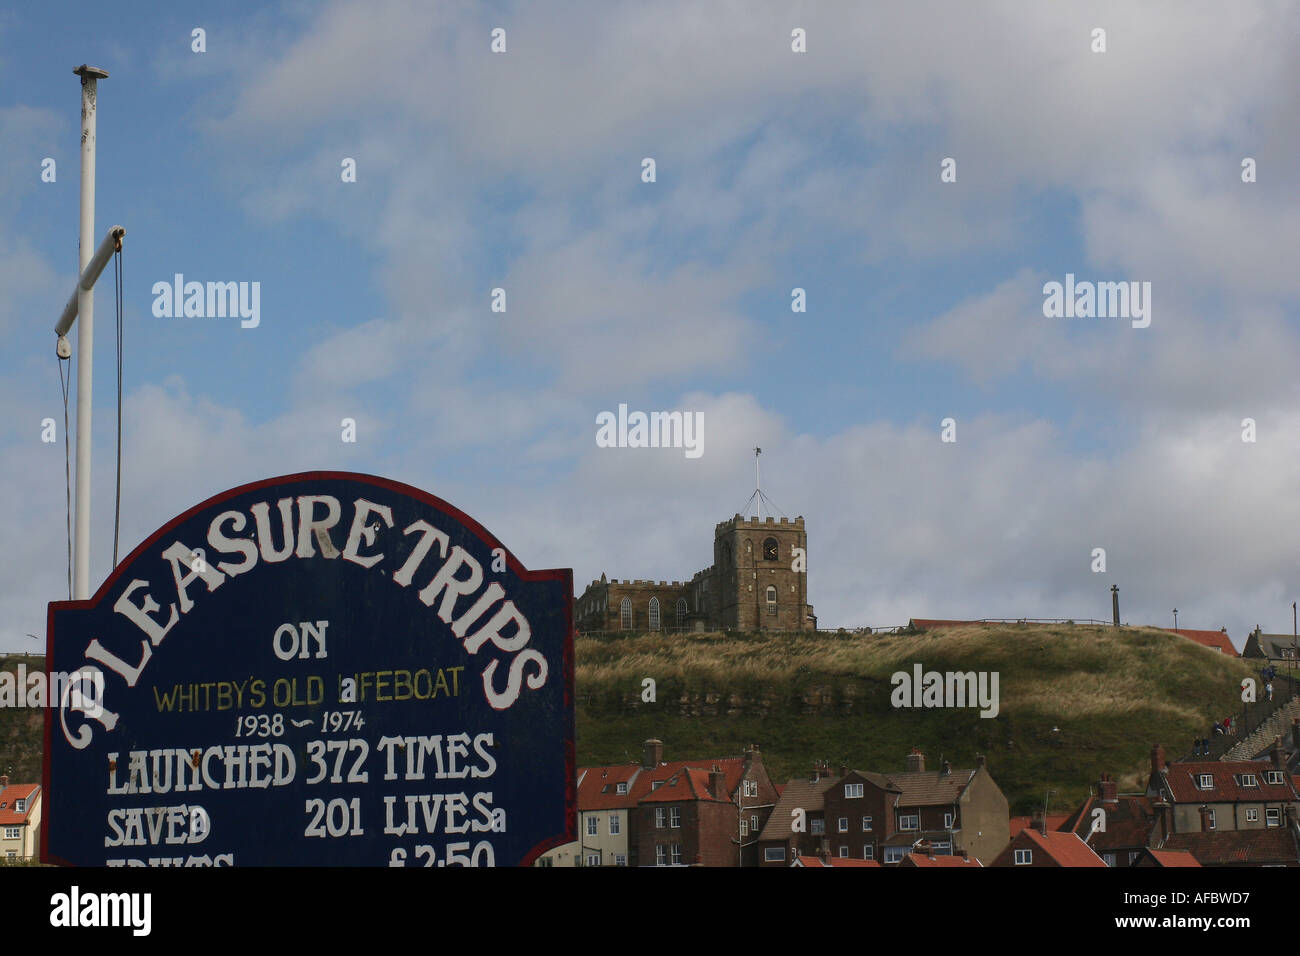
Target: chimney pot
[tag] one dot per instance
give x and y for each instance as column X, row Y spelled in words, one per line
column 915, row 761
column 4, row 781
column 1107, row 789
column 1157, row 758
column 653, row 755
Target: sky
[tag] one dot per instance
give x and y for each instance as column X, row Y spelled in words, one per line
column 774, row 170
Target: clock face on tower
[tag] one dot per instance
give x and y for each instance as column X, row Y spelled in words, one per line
column 769, row 549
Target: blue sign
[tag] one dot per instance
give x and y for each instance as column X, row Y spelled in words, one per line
column 324, row 669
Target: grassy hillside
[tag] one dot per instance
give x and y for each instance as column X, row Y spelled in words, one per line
column 21, row 731
column 1110, row 693
column 1076, row 700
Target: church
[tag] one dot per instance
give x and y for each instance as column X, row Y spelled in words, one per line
column 758, row 582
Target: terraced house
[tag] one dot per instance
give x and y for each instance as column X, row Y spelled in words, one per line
column 872, row 816
column 20, row 820
column 678, row 813
column 1218, row 795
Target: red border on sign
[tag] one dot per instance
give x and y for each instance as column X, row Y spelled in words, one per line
column 551, row 574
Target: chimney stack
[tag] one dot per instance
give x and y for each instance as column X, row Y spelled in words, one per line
column 979, row 760
column 1114, row 602
column 653, row 755
column 1164, row 820
column 1157, row 758
column 1277, row 753
column 1295, row 733
column 4, row 781
column 915, row 761
column 718, row 783
column 844, row 771
column 1038, row 822
column 947, row 768
column 1107, row 789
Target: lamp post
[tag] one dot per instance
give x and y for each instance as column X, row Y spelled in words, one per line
column 1175, row 619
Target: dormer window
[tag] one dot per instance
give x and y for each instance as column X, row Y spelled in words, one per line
column 1206, row 781
column 622, row 788
column 1249, row 780
column 20, row 806
column 1274, row 776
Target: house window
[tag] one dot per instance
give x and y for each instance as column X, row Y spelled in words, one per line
column 947, row 821
column 774, row 854
column 677, row 854
column 1272, row 817
column 621, row 788
column 13, row 833
column 12, row 855
column 625, row 614
column 868, row 852
column 1209, row 819
column 20, row 805
column 654, row 614
column 615, row 825
column 894, row 853
column 593, row 859
column 771, row 600
column 1275, row 776
column 1108, row 859
column 852, row 791
column 593, row 825
column 770, row 550
column 818, row 826
column 675, row 817
column 620, row 859
column 866, row 823
column 744, row 827
column 844, row 853
column 909, row 821
column 1024, row 857
column 1207, row 781
column 1249, row 780
column 661, row 855
column 681, row 612
column 751, row 788
column 1252, row 815
column 661, row 817
column 753, row 823
column 844, row 824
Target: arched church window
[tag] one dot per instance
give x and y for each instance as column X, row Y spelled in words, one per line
column 771, row 599
column 654, row 614
column 681, row 611
column 625, row 614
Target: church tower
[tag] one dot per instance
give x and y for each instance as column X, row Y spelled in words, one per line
column 761, row 572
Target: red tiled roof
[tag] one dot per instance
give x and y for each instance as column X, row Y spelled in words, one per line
column 804, row 861
column 16, row 791
column 1214, row 639
column 1183, row 779
column 598, row 787
column 1128, row 822
column 1228, row 847
column 733, row 767
column 1065, row 848
column 1173, row 857
column 687, row 783
column 922, row 859
column 1054, row 822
